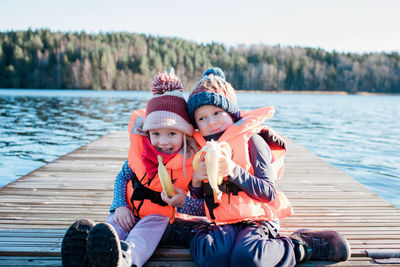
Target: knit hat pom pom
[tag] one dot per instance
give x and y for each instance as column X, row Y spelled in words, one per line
column 215, row 71
column 165, row 82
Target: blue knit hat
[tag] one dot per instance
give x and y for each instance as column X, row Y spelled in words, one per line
column 212, row 89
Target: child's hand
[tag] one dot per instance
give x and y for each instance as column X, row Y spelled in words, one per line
column 177, row 200
column 226, row 166
column 124, row 217
column 199, row 175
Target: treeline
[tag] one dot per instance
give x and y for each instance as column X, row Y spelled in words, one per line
column 129, row 61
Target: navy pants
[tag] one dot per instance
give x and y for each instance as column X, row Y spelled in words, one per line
column 241, row 245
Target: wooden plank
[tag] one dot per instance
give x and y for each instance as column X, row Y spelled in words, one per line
column 6, row 261
column 36, row 210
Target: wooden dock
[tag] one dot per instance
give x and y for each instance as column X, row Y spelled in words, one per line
column 37, row 209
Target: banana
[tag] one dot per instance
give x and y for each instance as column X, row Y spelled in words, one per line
column 197, row 159
column 166, row 184
column 211, row 160
column 164, row 178
column 213, row 150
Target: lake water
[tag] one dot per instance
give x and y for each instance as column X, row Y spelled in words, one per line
column 360, row 135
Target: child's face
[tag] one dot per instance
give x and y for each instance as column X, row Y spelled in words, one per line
column 211, row 119
column 166, row 140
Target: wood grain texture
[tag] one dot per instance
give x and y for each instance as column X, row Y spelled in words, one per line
column 36, row 210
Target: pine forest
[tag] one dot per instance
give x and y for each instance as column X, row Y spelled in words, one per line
column 43, row 59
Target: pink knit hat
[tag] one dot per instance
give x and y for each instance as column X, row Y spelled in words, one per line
column 167, row 108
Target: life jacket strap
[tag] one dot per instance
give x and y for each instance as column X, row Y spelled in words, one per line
column 229, row 188
column 209, row 199
column 226, row 187
column 141, row 192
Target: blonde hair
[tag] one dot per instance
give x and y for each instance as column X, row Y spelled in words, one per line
column 191, row 146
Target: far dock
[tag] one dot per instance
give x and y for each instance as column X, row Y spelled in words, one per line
column 37, row 209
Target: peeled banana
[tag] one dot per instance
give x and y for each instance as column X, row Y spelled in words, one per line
column 213, row 151
column 165, row 180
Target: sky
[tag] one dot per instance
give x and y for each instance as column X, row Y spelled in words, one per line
column 359, row 26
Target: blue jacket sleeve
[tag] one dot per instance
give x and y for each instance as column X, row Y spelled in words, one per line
column 193, row 206
column 120, row 186
column 261, row 185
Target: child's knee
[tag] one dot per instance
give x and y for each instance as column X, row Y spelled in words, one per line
column 122, row 234
column 212, row 247
column 242, row 256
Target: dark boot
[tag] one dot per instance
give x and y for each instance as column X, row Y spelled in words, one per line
column 74, row 244
column 104, row 247
column 322, row 245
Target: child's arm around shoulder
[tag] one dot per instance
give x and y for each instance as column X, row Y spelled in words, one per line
column 261, row 185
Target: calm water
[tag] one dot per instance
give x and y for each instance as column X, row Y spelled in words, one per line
column 357, row 134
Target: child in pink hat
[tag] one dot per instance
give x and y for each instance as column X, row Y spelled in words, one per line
column 138, row 215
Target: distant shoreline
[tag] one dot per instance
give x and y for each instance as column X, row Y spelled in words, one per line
column 313, row 92
column 236, row 90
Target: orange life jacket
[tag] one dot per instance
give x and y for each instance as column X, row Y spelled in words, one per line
column 238, row 206
column 141, row 206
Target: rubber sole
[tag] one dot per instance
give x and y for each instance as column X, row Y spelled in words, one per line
column 347, row 244
column 104, row 248
column 74, row 244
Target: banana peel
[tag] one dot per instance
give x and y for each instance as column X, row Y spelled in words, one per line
column 213, row 150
